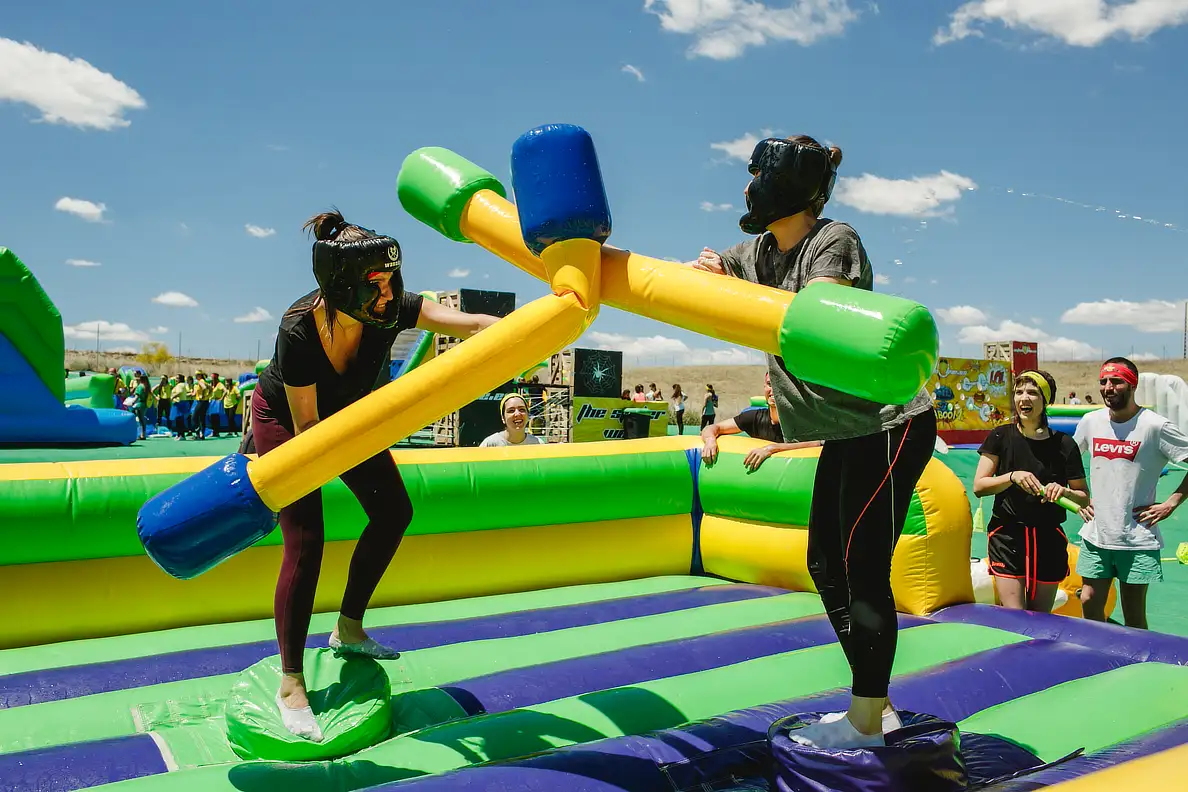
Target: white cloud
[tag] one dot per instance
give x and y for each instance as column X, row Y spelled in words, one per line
column 1150, row 316
column 1143, row 357
column 882, row 279
column 104, row 330
column 458, row 272
column 258, row 232
column 65, row 90
column 158, row 330
column 723, row 29
column 82, row 263
column 962, row 315
column 1052, row 347
column 910, row 279
column 87, row 210
column 176, row 299
column 127, row 350
column 739, row 148
column 257, row 314
column 1080, row 23
column 924, row 196
column 670, row 350
column 708, row 206
column 633, row 71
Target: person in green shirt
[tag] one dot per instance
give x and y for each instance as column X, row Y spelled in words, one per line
column 138, row 402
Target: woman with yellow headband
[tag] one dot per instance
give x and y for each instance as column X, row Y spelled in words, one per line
column 513, row 409
column 1027, row 466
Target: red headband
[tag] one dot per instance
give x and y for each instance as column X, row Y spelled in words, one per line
column 1121, row 372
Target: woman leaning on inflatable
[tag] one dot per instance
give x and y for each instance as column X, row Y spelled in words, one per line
column 1027, row 466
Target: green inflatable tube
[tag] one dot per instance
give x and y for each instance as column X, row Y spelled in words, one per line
column 870, row 345
column 96, row 391
column 1071, row 410
column 89, row 517
column 421, row 351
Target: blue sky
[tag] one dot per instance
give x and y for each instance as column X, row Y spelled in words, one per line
column 1016, row 166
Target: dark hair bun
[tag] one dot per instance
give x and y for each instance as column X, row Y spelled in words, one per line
column 326, row 225
column 835, row 155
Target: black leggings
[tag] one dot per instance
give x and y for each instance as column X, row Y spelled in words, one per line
column 860, row 502
column 377, row 485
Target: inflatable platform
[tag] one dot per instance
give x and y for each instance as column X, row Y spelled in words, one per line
column 34, row 409
column 609, row 616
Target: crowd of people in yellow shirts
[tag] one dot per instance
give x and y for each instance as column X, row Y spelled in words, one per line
column 185, row 406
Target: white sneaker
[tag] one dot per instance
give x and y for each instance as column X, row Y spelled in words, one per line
column 891, row 720
column 300, row 722
column 368, row 647
column 836, row 733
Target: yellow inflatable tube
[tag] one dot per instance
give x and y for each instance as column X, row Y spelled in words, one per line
column 728, row 309
column 417, row 399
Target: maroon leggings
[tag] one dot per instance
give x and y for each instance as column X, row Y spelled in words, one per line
column 377, row 485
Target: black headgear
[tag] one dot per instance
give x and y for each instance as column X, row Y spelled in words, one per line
column 787, row 178
column 342, row 270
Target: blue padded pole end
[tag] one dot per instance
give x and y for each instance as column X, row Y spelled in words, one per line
column 558, row 187
column 205, row 519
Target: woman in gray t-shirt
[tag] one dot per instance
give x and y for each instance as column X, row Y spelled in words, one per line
column 873, row 454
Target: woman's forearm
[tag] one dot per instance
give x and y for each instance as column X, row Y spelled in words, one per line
column 991, row 485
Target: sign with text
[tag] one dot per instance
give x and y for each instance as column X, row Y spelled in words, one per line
column 596, row 419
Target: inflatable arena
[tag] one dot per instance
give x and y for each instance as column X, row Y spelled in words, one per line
column 600, row 617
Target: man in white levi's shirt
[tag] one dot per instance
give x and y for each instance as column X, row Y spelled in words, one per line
column 1129, row 447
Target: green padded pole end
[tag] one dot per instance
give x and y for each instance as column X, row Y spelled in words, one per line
column 435, row 184
column 870, row 345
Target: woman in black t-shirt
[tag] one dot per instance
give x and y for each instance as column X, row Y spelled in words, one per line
column 329, row 350
column 1027, row 466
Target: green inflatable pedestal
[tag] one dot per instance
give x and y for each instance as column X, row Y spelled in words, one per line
column 351, row 699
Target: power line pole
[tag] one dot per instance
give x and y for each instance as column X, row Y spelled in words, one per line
column 1186, row 330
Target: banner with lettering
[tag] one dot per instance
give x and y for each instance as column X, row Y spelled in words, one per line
column 596, row 419
column 971, row 397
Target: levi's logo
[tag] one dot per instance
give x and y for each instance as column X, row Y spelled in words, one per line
column 1116, row 449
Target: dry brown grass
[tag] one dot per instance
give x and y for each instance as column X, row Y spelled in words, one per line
column 737, row 384
column 1082, row 377
column 77, row 360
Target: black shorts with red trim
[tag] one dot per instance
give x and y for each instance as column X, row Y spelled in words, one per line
column 1036, row 555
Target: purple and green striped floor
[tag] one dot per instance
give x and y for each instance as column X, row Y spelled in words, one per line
column 601, row 688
